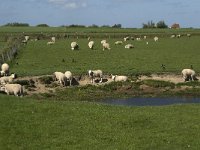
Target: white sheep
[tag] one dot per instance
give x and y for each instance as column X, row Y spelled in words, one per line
column 118, row 42
column 7, row 79
column 138, row 39
column 126, row 38
column 91, row 44
column 95, row 73
column 145, row 37
column 103, row 41
column 26, row 38
column 189, row 74
column 74, row 46
column 129, row 46
column 106, row 46
column 50, row 43
column 178, row 35
column 69, row 77
column 172, row 36
column 60, row 77
column 53, row 39
column 117, row 78
column 13, row 89
column 4, row 69
column 188, row 35
column 155, row 38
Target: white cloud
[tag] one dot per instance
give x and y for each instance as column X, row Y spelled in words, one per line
column 68, row 4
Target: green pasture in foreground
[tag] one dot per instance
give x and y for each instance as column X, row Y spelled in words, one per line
column 31, row 124
column 39, row 58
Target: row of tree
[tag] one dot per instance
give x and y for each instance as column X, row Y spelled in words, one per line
column 149, row 24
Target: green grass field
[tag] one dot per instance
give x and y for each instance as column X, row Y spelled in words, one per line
column 32, row 124
column 39, row 58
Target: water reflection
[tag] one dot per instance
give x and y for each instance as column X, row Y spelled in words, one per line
column 151, row 101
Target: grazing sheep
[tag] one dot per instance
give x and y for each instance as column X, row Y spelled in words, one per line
column 7, row 79
column 26, row 38
column 189, row 74
column 173, row 36
column 13, row 89
column 106, row 46
column 117, row 78
column 103, row 41
column 91, row 44
column 138, row 39
column 118, row 42
column 145, row 37
column 188, row 35
column 53, row 39
column 50, row 43
column 178, row 36
column 95, row 73
column 60, row 77
column 4, row 69
column 69, row 77
column 74, row 46
column 126, row 38
column 129, row 46
column 155, row 38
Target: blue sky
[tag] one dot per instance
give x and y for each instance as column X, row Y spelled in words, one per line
column 129, row 13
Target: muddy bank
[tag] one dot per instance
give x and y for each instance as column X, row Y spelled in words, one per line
column 153, row 85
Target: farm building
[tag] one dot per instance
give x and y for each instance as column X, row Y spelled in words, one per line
column 175, row 26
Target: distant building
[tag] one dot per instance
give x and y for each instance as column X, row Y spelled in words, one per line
column 175, row 26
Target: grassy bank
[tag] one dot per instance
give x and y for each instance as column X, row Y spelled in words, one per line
column 32, row 124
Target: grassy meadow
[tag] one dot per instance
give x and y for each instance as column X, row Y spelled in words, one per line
column 71, row 118
column 38, row 58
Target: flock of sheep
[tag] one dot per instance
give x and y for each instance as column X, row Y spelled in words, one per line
column 8, row 87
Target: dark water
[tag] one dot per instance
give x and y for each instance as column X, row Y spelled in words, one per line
column 151, row 101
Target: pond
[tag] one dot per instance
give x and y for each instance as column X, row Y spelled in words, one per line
column 151, row 101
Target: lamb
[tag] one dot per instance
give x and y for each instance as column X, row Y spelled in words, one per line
column 4, row 70
column 13, row 89
column 129, row 46
column 155, row 38
column 117, row 78
column 118, row 42
column 91, row 44
column 189, row 74
column 74, row 46
column 95, row 73
column 69, row 77
column 60, row 77
column 106, row 46
column 7, row 79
